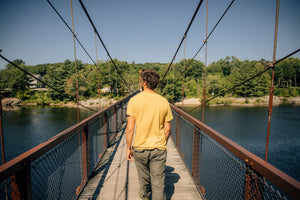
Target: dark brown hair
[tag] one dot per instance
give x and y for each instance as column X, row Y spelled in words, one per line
column 151, row 77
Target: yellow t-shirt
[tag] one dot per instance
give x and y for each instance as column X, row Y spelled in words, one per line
column 150, row 111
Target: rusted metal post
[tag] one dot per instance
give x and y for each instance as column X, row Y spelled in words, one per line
column 1, row 131
column 21, row 184
column 105, row 130
column 272, row 81
column 247, row 186
column 254, row 184
column 196, row 157
column 2, row 144
column 195, row 166
column 115, row 121
column 85, row 158
column 121, row 114
column 85, row 153
column 178, row 135
column 196, row 161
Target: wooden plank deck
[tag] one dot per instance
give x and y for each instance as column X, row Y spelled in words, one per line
column 116, row 178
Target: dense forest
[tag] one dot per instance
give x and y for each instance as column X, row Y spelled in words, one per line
column 221, row 75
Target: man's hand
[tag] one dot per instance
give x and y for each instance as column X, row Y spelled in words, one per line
column 129, row 137
column 167, row 128
column 129, row 155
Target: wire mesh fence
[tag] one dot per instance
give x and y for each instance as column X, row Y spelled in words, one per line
column 221, row 168
column 58, row 173
column 60, row 167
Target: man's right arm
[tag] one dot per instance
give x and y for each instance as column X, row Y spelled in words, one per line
column 129, row 136
column 167, row 128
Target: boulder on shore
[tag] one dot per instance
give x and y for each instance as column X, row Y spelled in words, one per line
column 9, row 102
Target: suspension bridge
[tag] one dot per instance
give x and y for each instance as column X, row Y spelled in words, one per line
column 87, row 160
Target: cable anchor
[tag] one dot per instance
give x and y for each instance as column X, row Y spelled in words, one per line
column 271, row 65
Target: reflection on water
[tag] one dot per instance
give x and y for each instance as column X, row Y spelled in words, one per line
column 29, row 126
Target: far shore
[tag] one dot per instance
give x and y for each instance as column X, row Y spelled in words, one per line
column 10, row 104
column 240, row 101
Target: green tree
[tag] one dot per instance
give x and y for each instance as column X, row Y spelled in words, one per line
column 13, row 78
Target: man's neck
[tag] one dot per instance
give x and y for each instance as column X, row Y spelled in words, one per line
column 148, row 90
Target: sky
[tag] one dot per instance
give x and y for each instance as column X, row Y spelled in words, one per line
column 146, row 31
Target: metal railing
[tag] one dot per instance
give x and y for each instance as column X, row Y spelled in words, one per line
column 221, row 169
column 59, row 168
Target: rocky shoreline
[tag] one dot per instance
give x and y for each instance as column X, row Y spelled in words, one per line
column 10, row 104
column 240, row 101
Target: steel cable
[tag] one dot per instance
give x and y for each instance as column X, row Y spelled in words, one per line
column 108, row 54
column 75, row 36
column 270, row 65
column 28, row 73
column 205, row 41
column 184, row 36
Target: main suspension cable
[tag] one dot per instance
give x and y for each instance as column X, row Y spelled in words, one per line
column 184, row 36
column 108, row 54
column 70, row 29
column 269, row 66
column 205, row 41
column 28, row 73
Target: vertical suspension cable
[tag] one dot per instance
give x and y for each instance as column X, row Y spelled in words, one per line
column 173, row 85
column 98, row 77
column 204, row 83
column 110, row 86
column 76, row 73
column 272, row 81
column 116, row 83
column 77, row 92
column 183, row 78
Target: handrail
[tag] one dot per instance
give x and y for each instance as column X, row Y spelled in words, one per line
column 276, row 176
column 17, row 164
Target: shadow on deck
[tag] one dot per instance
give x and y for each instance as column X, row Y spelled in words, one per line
column 116, row 178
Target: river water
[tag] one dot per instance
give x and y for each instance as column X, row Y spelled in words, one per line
column 247, row 126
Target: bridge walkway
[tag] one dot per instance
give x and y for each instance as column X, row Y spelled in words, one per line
column 116, row 178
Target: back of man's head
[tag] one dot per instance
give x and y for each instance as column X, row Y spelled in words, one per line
column 151, row 77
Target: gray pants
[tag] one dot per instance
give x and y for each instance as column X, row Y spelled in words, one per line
column 151, row 166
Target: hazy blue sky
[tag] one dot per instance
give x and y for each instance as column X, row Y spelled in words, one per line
column 146, row 30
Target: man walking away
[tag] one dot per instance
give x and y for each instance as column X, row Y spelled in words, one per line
column 150, row 115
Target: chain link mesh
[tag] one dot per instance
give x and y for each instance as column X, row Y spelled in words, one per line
column 257, row 187
column 57, row 174
column 61, row 172
column 97, row 143
column 217, row 172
